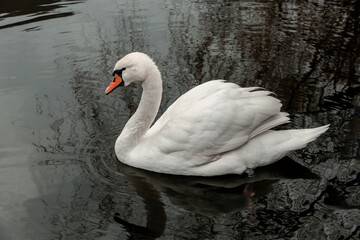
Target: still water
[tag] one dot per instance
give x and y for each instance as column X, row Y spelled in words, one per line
column 59, row 176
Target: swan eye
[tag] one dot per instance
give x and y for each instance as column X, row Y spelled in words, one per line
column 118, row 72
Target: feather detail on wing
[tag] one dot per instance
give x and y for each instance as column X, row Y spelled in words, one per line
column 214, row 118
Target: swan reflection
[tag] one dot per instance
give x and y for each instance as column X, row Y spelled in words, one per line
column 208, row 196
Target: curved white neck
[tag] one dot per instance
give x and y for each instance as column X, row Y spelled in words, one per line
column 140, row 122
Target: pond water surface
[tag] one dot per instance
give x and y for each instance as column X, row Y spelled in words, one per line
column 59, row 176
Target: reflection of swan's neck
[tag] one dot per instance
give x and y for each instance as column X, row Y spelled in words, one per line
column 145, row 114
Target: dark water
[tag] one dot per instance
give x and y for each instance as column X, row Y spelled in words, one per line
column 59, row 177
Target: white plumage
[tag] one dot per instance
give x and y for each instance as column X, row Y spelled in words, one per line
column 216, row 128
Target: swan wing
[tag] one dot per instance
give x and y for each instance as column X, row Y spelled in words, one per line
column 184, row 101
column 214, row 118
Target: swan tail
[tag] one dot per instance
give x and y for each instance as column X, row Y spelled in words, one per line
column 270, row 146
column 299, row 138
column 311, row 134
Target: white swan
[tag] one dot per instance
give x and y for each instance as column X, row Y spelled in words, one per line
column 216, row 128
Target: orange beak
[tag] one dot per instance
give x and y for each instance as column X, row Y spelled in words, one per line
column 117, row 81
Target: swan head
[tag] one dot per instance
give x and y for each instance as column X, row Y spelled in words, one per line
column 133, row 67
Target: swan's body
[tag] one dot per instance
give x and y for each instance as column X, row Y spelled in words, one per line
column 216, row 128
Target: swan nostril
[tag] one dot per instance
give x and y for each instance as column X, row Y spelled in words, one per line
column 114, row 79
